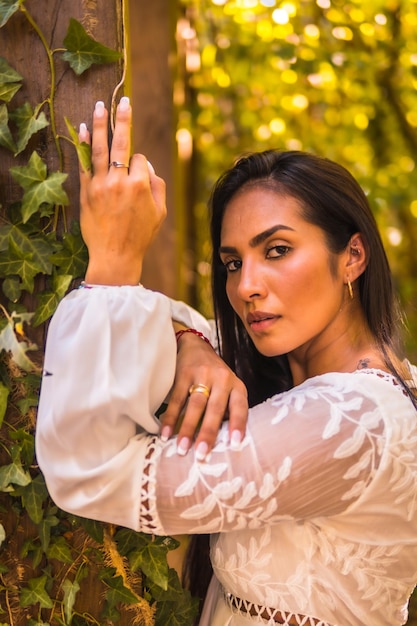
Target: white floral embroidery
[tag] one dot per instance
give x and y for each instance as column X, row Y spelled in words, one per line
column 316, row 515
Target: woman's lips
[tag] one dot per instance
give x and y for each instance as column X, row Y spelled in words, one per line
column 260, row 320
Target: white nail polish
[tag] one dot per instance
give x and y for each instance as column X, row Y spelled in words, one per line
column 166, row 433
column 99, row 110
column 151, row 168
column 83, row 131
column 124, row 103
column 183, row 446
column 235, row 439
column 201, row 451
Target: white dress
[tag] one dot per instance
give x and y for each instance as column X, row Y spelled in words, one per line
column 315, row 515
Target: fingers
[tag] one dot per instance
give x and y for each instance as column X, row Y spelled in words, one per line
column 204, row 415
column 120, row 146
column 99, row 143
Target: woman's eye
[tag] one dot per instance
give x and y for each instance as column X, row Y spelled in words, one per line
column 277, row 251
column 233, row 265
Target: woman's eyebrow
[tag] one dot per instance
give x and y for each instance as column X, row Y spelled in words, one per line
column 258, row 239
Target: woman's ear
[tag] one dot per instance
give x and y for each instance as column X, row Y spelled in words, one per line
column 357, row 257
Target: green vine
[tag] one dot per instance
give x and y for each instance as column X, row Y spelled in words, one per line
column 48, row 559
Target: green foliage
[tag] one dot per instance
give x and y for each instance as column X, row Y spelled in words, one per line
column 336, row 78
column 82, row 51
column 45, row 573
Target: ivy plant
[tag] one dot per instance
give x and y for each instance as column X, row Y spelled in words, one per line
column 45, row 572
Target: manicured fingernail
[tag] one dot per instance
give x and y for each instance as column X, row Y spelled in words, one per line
column 99, row 110
column 124, row 103
column 82, row 133
column 151, row 168
column 166, row 432
column 183, row 446
column 201, row 451
column 235, row 439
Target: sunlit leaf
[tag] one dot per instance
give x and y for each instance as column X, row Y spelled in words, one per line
column 7, row 9
column 18, row 349
column 83, row 51
column 13, row 474
column 83, row 149
column 70, row 593
column 8, row 91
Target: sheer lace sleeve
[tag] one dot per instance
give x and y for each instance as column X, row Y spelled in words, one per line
column 309, row 452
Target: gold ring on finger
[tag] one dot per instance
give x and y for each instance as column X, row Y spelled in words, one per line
column 200, row 388
column 118, row 164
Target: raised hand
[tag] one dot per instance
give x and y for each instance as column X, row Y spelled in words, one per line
column 222, row 395
column 122, row 201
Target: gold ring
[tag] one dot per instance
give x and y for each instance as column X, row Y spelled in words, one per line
column 118, row 164
column 200, row 388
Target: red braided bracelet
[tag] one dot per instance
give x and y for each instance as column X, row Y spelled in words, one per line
column 180, row 333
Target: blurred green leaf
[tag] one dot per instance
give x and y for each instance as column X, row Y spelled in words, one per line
column 83, row 51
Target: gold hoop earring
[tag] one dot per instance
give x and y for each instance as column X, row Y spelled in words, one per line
column 350, row 289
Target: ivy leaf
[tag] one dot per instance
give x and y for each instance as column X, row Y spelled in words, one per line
column 39, row 188
column 59, row 549
column 11, row 287
column 26, row 444
column 13, row 474
column 72, row 258
column 35, row 592
column 4, row 394
column 49, row 300
column 44, row 527
column 6, row 139
column 83, row 149
column 33, row 497
column 119, row 593
column 70, row 591
column 19, row 262
column 39, row 247
column 8, row 91
column 28, row 175
column 151, row 559
column 178, row 613
column 7, row 9
column 82, row 50
column 18, row 349
column 28, row 124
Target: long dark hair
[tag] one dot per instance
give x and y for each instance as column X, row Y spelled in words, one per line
column 331, row 199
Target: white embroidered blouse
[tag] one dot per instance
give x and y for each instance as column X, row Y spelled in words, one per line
column 315, row 515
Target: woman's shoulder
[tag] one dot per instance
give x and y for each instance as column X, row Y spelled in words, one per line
column 374, row 388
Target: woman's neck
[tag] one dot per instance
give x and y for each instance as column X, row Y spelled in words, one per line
column 345, row 349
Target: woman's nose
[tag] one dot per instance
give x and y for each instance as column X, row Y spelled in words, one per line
column 251, row 284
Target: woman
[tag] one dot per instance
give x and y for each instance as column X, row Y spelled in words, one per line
column 313, row 514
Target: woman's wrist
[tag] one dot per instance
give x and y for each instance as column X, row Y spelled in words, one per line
column 113, row 274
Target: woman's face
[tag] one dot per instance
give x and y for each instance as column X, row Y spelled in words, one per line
column 283, row 282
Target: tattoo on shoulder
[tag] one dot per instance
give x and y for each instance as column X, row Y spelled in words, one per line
column 363, row 364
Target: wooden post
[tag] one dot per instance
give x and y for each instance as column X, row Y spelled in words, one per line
column 152, row 49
